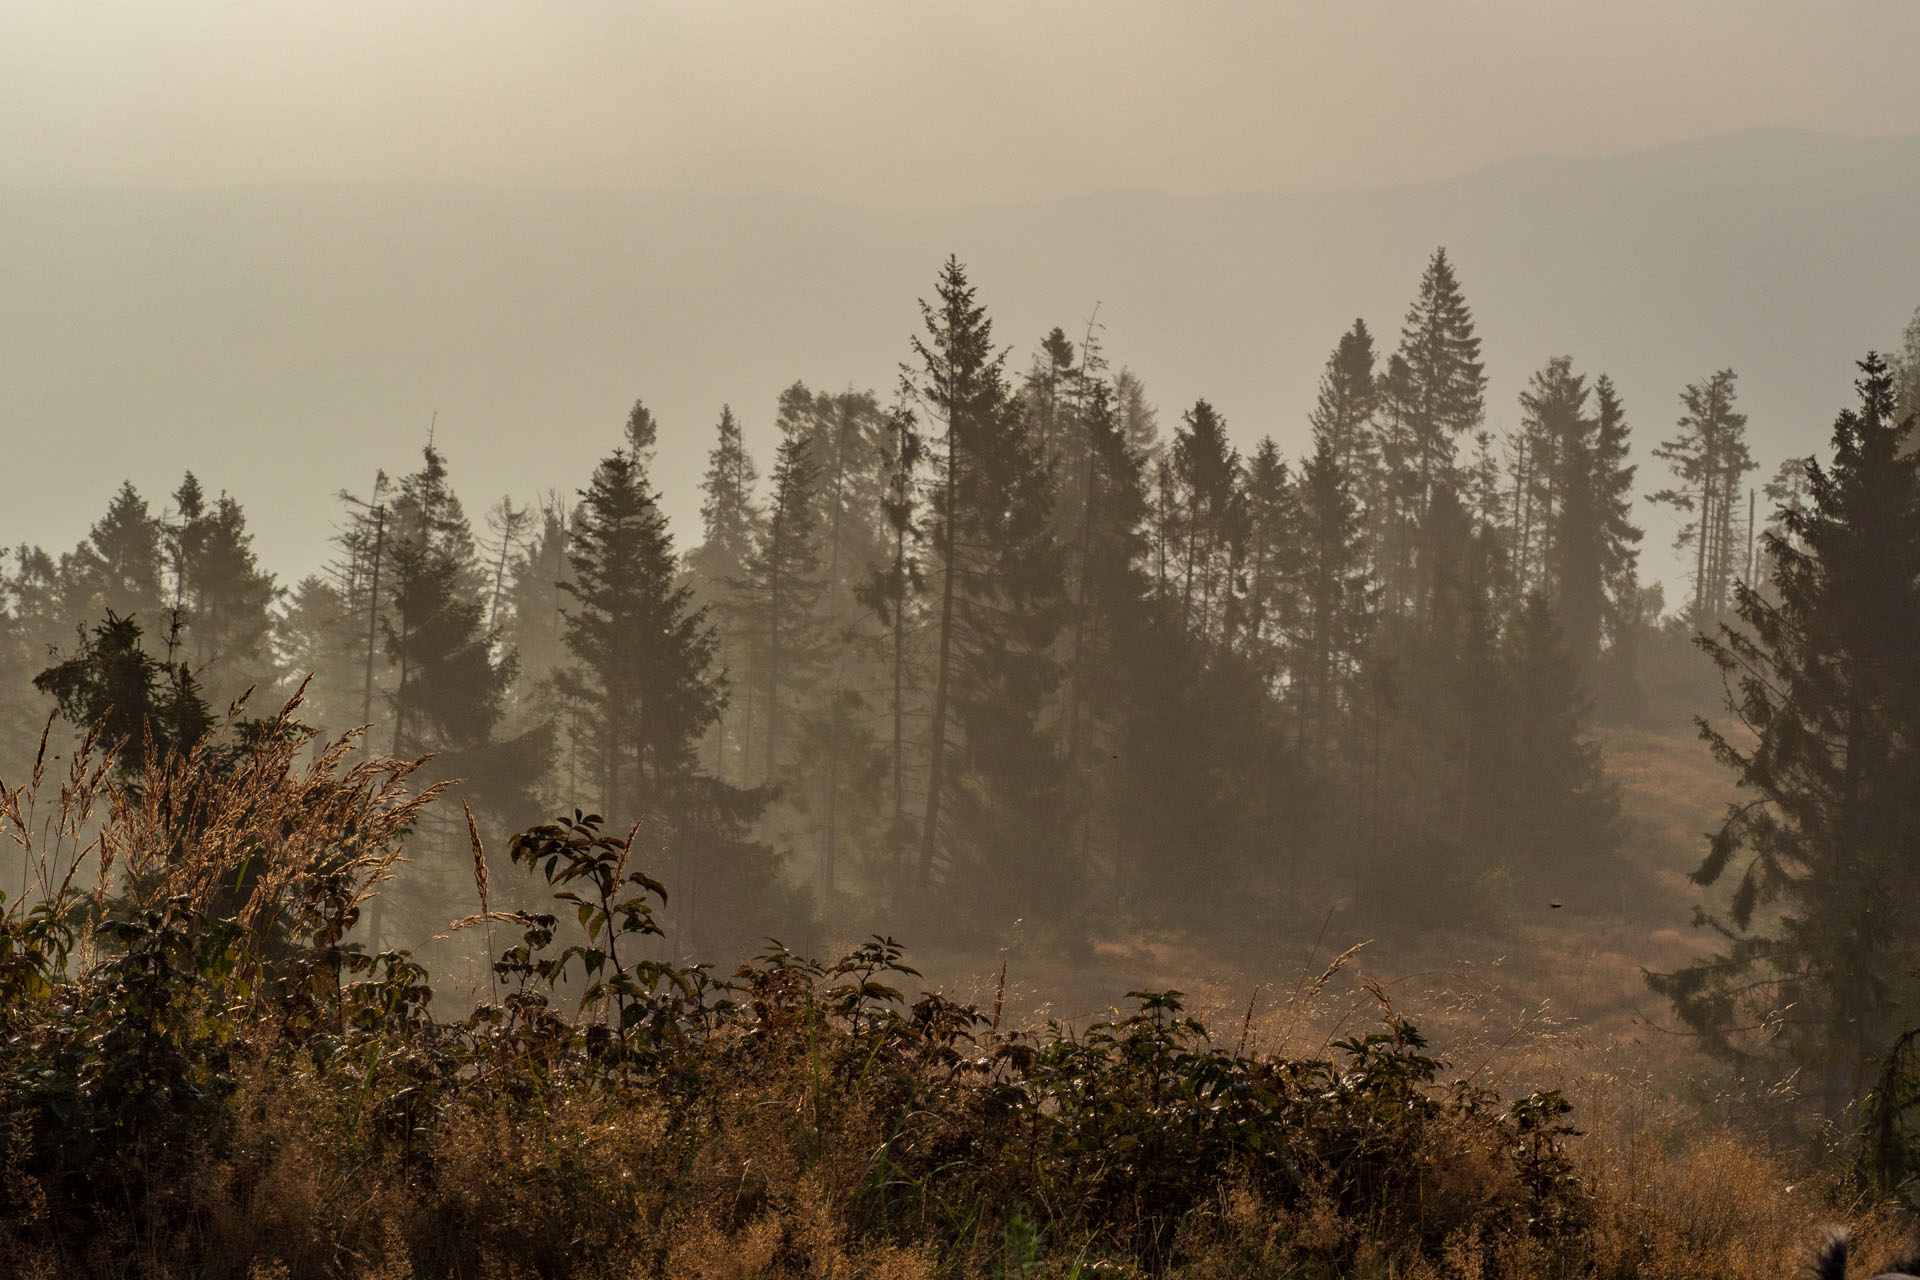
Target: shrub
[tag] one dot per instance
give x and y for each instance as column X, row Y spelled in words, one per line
column 201, row 1074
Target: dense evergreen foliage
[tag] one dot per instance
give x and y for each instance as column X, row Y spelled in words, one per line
column 1818, row 968
column 993, row 654
column 994, row 651
column 997, row 650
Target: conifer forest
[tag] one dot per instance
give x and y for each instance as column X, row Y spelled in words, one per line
column 982, row 642
column 1007, row 659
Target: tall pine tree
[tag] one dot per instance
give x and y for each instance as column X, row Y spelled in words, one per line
column 1435, row 392
column 993, row 803
column 119, row 568
column 894, row 593
column 1572, row 532
column 223, row 595
column 644, row 690
column 1819, row 966
column 1343, row 413
column 1333, row 603
column 732, row 528
column 641, row 651
column 1206, row 472
column 1709, row 458
column 781, row 608
column 450, row 695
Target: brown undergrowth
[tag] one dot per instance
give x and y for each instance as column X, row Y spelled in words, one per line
column 200, row 1075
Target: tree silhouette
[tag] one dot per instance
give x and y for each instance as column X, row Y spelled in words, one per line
column 1818, row 967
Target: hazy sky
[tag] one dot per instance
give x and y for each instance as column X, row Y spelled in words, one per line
column 914, row 105
column 915, row 101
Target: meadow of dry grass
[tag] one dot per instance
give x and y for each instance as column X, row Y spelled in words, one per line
column 200, row 1078
column 1549, row 984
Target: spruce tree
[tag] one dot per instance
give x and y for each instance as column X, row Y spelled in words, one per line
column 31, row 626
column 1139, row 420
column 1109, row 607
column 32, row 588
column 820, row 542
column 316, row 633
column 1435, row 392
column 450, row 691
column 1616, row 676
column 781, row 610
column 1396, row 518
column 1553, row 422
column 450, row 695
column 894, row 591
column 361, row 573
column 1818, row 966
column 843, row 435
column 1573, row 533
column 1445, row 396
column 1089, row 416
column 643, row 433
column 534, row 625
column 821, row 666
column 184, row 534
column 1050, row 404
column 1346, row 414
column 994, row 778
column 960, row 381
column 1046, row 397
column 729, row 511
column 435, row 614
column 644, row 692
column 1709, row 458
column 732, row 526
column 1436, row 706
column 1172, row 756
column 1788, row 490
column 1165, row 516
column 641, row 651
column 118, row 568
column 138, row 701
column 1206, row 471
column 1333, row 604
column 1480, row 483
column 1272, row 504
column 1343, row 413
column 224, row 597
column 1612, row 479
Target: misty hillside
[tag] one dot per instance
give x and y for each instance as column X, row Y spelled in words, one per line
column 325, row 326
column 1266, row 727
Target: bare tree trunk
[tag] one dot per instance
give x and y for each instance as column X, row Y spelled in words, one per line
column 1704, row 532
column 899, row 691
column 936, row 771
column 773, row 661
column 1076, row 685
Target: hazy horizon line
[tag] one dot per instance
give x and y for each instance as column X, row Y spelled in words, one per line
column 895, row 206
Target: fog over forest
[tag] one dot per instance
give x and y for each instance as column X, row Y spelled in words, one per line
column 336, row 322
column 1229, row 698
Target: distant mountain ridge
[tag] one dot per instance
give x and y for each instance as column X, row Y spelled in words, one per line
column 284, row 341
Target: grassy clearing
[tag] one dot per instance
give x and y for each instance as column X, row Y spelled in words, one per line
column 201, row 1076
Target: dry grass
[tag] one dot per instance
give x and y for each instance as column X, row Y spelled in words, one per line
column 351, row 1138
